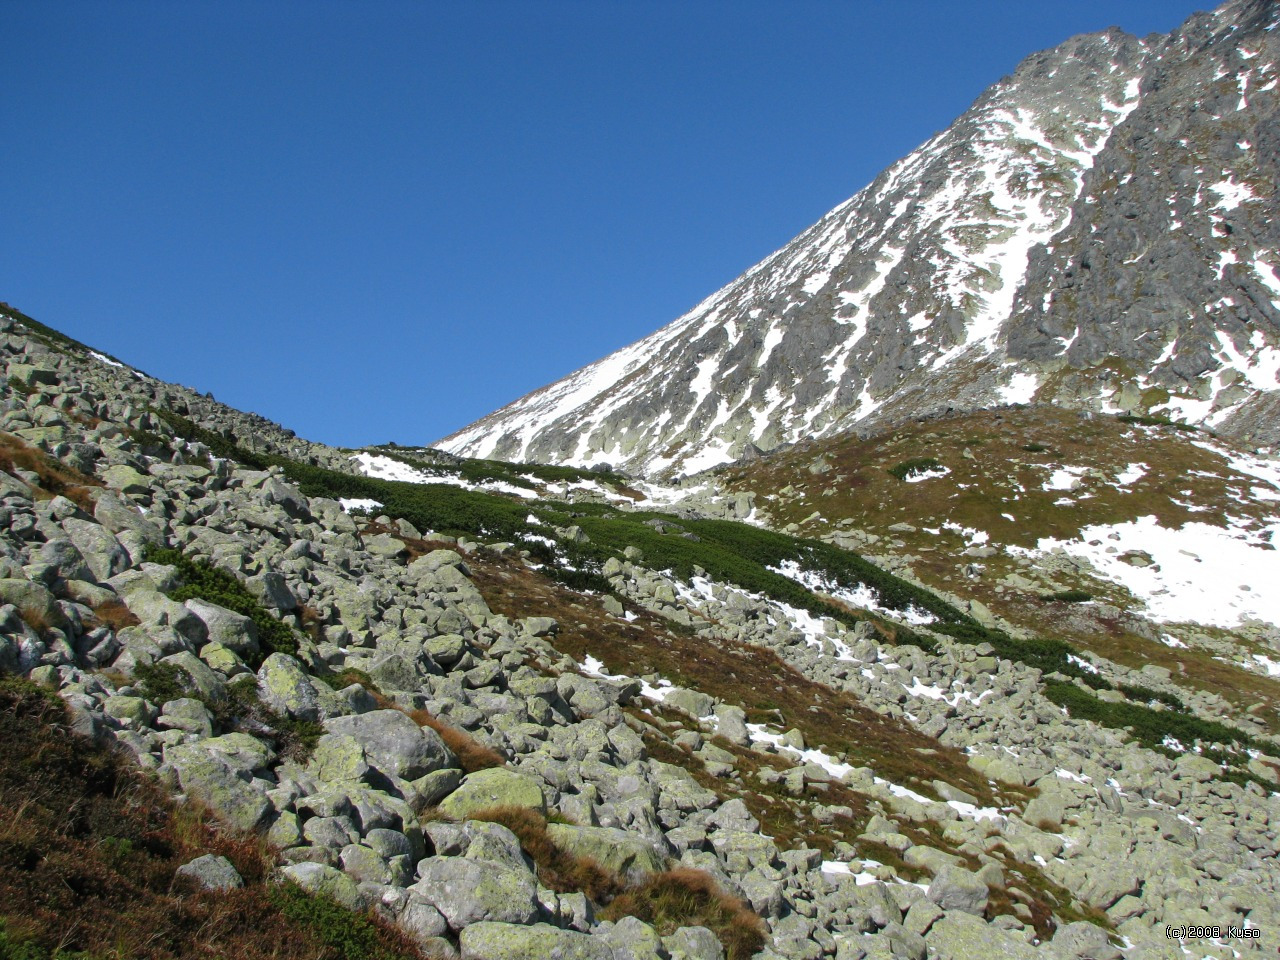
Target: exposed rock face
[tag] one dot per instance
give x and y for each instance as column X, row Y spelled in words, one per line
column 1098, row 229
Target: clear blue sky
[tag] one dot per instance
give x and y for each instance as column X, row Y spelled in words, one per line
column 380, row 221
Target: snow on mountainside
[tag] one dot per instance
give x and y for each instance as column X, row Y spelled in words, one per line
column 966, row 274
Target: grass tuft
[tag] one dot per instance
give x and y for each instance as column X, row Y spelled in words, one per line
column 687, row 898
column 558, row 869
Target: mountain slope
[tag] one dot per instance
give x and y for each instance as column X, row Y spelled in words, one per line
column 1096, row 230
column 350, row 657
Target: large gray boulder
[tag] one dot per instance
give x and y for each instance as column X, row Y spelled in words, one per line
column 325, row 880
column 395, row 745
column 540, row 941
column 119, row 517
column 154, row 609
column 955, row 888
column 233, row 630
column 693, row 943
column 212, row 872
column 213, row 782
column 100, row 549
column 962, row 936
column 471, row 891
column 494, row 787
column 35, row 603
column 1084, row 941
column 283, row 685
column 618, row 850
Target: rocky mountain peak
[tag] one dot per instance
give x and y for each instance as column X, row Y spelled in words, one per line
column 1027, row 252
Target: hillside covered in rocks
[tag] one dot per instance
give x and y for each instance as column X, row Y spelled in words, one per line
column 502, row 711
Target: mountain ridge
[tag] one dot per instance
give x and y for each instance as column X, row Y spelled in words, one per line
column 950, row 279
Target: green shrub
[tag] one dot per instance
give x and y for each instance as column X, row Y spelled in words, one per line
column 1068, row 596
column 1149, row 727
column 915, row 467
column 350, row 935
column 203, row 581
column 13, row 947
column 161, row 682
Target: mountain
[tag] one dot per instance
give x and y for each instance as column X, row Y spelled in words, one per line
column 264, row 698
column 1097, row 231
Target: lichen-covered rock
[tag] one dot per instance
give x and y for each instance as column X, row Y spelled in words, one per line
column 326, row 881
column 34, row 602
column 541, row 941
column 338, row 758
column 494, row 787
column 394, row 744
column 955, row 888
column 618, row 850
column 212, row 781
column 233, row 630
column 962, row 936
column 100, row 549
column 284, row 686
column 212, row 872
column 471, row 891
column 693, row 943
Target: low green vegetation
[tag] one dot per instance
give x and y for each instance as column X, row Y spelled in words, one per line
column 203, row 581
column 1069, row 596
column 723, row 550
column 349, row 935
column 913, row 468
column 240, row 709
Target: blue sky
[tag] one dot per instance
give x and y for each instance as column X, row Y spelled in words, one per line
column 381, row 221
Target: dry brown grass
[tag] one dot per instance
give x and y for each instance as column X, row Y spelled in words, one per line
column 115, row 615
column 685, row 898
column 56, row 479
column 471, row 753
column 769, row 689
column 89, row 848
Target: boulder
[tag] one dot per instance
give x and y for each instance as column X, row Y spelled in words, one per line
column 154, row 609
column 283, row 685
column 273, row 591
column 212, row 872
column 394, row 744
column 212, row 781
column 540, row 941
column 962, row 936
column 693, row 943
column 233, row 630
column 338, row 758
column 621, row 851
column 100, row 549
column 955, row 888
column 494, row 787
column 126, row 480
column 691, row 702
column 35, row 603
column 326, row 881
column 471, row 891
column 1084, row 941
